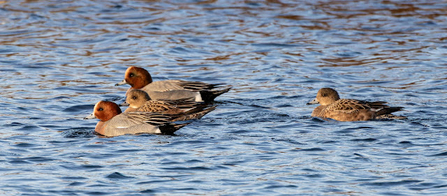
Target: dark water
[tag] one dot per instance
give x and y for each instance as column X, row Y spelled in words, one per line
column 58, row 58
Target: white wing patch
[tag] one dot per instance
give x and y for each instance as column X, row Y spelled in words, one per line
column 199, row 97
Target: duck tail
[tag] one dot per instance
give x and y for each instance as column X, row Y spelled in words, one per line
column 195, row 113
column 210, row 95
column 171, row 128
column 388, row 110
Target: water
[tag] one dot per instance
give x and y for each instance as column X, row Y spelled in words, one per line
column 58, row 58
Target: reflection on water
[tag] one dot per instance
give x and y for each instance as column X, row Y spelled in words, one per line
column 59, row 58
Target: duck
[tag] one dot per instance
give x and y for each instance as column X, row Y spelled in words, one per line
column 112, row 122
column 139, row 78
column 331, row 106
column 188, row 109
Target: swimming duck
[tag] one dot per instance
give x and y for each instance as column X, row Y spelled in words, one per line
column 331, row 106
column 139, row 78
column 188, row 109
column 114, row 123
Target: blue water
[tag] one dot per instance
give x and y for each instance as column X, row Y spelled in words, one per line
column 58, row 58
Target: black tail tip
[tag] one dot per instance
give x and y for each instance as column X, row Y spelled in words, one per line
column 210, row 95
column 171, row 128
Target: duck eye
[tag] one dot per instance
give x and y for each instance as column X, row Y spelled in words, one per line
column 134, row 97
column 324, row 95
column 131, row 75
column 100, row 109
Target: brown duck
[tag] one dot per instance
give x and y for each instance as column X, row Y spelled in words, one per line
column 331, row 106
column 187, row 109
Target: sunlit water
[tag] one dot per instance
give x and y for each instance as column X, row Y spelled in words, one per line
column 58, row 58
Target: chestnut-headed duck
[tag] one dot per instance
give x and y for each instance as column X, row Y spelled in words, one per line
column 331, row 106
column 188, row 109
column 139, row 78
column 114, row 123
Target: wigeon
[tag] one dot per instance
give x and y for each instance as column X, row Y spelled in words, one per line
column 139, row 101
column 114, row 123
column 139, row 78
column 331, row 106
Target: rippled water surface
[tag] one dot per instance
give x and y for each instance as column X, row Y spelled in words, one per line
column 58, row 58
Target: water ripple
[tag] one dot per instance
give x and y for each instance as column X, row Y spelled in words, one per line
column 59, row 59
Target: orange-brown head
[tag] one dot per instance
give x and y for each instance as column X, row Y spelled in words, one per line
column 137, row 77
column 106, row 110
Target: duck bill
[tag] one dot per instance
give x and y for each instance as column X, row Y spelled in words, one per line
column 91, row 116
column 124, row 104
column 313, row 102
column 121, row 83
